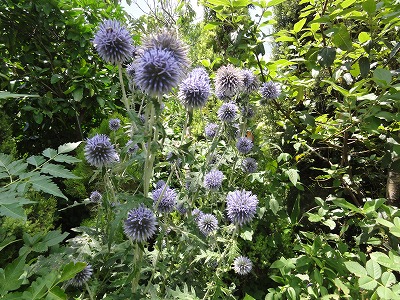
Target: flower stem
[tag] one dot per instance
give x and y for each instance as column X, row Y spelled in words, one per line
column 121, row 81
column 89, row 291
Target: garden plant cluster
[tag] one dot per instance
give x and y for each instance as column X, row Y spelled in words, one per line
column 162, row 158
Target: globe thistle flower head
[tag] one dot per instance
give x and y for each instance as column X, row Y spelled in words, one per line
column 242, row 265
column 197, row 214
column 227, row 112
column 228, row 82
column 113, row 42
column 195, row 90
column 140, row 224
column 181, row 208
column 99, row 151
column 164, row 199
column 244, row 145
column 213, row 180
column 169, row 41
column 200, row 72
column 241, row 206
column 211, row 130
column 114, row 124
column 131, row 148
column 250, row 81
column 81, row 277
column 130, row 70
column 270, row 90
column 247, row 111
column 160, row 184
column 157, row 72
column 207, row 223
column 249, row 165
column 95, row 196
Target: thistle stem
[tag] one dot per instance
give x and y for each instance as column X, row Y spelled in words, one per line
column 121, row 81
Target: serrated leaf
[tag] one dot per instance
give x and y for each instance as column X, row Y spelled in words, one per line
column 10, row 276
column 274, row 205
column 388, row 279
column 66, row 159
column 367, row 283
column 35, row 160
column 355, row 268
column 49, row 152
column 373, row 269
column 13, row 210
column 54, row 237
column 68, row 147
column 58, row 171
column 386, row 293
column 5, row 160
column 70, row 270
column 43, row 183
column 37, row 289
column 17, row 167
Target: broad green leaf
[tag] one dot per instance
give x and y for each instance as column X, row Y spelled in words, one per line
column 293, row 176
column 369, row 6
column 17, row 167
column 342, row 286
column 247, row 235
column 70, row 270
column 66, row 159
column 5, row 95
column 383, row 77
column 292, row 293
column 54, row 237
column 13, row 210
column 373, row 269
column 384, row 222
column 275, row 2
column 10, row 277
column 274, row 205
column 326, row 56
column 344, row 204
column 341, row 38
column 248, row 297
column 78, row 94
column 388, row 279
column 364, row 66
column 314, row 218
column 364, row 37
column 385, row 261
column 5, row 160
column 38, row 289
column 50, row 153
column 68, row 147
column 44, row 184
column 58, row 171
column 347, row 3
column 299, row 25
column 35, row 160
column 343, row 91
column 367, row 283
column 355, row 268
column 386, row 293
column 55, row 78
column 56, row 293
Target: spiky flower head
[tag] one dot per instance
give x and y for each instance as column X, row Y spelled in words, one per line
column 131, row 147
column 244, row 145
column 247, row 111
column 99, row 151
column 250, row 81
column 130, row 70
column 228, row 81
column 249, row 165
column 140, row 224
column 114, row 124
column 241, row 206
column 211, row 130
column 164, row 199
column 197, row 214
column 169, row 41
column 227, row 112
column 160, row 184
column 270, row 90
column 157, row 71
column 213, row 180
column 81, row 277
column 207, row 223
column 113, row 42
column 242, row 265
column 95, row 196
column 195, row 90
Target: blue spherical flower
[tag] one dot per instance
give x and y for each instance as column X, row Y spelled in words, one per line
column 211, row 130
column 95, row 196
column 169, row 41
column 113, row 42
column 197, row 214
column 207, row 223
column 213, row 180
column 160, row 184
column 250, row 81
column 241, row 206
column 164, row 199
column 157, row 71
column 140, row 224
column 270, row 90
column 228, row 81
column 249, row 165
column 242, row 265
column 227, row 112
column 130, row 70
column 244, row 145
column 81, row 277
column 99, row 151
column 194, row 91
column 114, row 124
